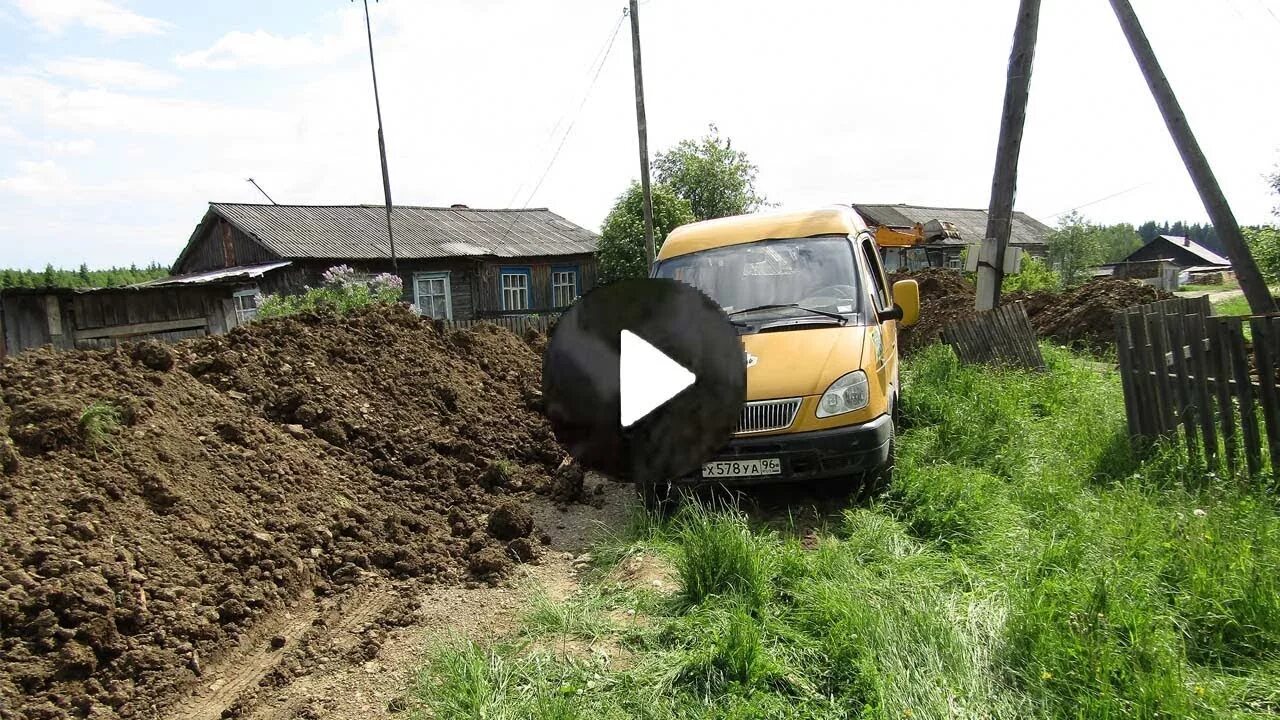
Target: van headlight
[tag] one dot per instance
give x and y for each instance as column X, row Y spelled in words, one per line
column 846, row 394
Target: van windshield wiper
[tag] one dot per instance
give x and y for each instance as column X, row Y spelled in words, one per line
column 834, row 316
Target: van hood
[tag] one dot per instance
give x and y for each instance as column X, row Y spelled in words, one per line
column 795, row 363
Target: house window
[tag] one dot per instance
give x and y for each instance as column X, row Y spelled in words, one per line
column 564, row 286
column 515, row 288
column 955, row 262
column 431, row 295
column 246, row 303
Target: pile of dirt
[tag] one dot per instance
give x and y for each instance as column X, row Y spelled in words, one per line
column 945, row 297
column 156, row 501
column 1080, row 317
column 1084, row 316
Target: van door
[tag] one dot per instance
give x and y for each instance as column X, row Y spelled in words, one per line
column 886, row 338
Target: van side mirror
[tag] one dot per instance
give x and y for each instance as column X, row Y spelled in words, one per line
column 906, row 299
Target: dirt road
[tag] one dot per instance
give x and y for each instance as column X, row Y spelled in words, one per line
column 357, row 656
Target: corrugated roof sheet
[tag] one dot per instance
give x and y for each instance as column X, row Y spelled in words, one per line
column 217, row 276
column 360, row 231
column 971, row 223
column 1195, row 248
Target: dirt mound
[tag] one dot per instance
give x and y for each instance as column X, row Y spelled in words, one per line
column 1081, row 317
column 144, row 537
column 1084, row 316
column 945, row 297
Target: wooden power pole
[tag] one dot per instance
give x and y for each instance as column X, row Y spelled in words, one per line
column 642, row 128
column 382, row 143
column 1215, row 203
column 1004, row 184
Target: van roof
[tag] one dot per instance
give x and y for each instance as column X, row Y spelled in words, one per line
column 694, row 237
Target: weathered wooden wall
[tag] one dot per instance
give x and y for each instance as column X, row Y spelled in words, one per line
column 223, row 246
column 490, row 290
column 104, row 318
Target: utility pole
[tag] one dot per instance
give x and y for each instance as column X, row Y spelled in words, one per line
column 642, row 128
column 382, row 144
column 1004, row 185
column 1215, row 203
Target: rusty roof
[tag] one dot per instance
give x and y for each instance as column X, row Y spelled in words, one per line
column 971, row 223
column 359, row 232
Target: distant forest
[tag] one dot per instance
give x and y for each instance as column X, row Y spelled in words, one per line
column 80, row 278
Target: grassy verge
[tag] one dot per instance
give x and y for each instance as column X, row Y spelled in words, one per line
column 1023, row 564
column 1233, row 306
column 1209, row 288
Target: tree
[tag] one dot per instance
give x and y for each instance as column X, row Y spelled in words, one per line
column 1264, row 245
column 715, row 179
column 1117, row 241
column 1074, row 246
column 620, row 253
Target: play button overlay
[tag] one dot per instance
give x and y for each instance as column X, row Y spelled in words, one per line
column 644, row 379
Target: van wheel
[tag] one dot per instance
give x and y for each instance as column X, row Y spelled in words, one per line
column 877, row 481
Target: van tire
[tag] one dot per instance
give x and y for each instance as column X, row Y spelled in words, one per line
column 877, row 481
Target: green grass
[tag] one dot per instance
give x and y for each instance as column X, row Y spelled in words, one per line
column 1233, row 306
column 1209, row 288
column 1022, row 564
column 98, row 425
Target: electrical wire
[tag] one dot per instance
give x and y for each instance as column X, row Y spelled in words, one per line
column 599, row 67
column 1101, row 199
column 597, row 64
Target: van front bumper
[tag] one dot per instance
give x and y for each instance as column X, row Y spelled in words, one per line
column 813, row 455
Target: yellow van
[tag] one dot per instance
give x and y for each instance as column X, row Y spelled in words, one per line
column 819, row 326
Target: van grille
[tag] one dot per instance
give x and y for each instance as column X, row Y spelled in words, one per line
column 766, row 415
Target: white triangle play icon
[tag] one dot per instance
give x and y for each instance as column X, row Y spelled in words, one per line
column 647, row 378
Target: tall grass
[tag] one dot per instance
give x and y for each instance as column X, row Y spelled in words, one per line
column 1023, row 563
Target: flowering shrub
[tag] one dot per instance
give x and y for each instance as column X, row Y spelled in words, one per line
column 343, row 290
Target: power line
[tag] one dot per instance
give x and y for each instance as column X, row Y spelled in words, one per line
column 603, row 58
column 1101, row 199
column 594, row 70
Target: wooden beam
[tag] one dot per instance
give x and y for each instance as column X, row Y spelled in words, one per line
column 121, row 331
column 642, row 129
column 1215, row 203
column 1004, row 184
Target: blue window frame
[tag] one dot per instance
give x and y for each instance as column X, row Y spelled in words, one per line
column 516, row 286
column 564, row 285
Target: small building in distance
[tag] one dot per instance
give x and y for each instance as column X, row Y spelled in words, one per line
column 1181, row 251
column 457, row 263
column 1187, row 259
column 946, row 249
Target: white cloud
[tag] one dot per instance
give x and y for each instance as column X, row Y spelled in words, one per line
column 55, row 16
column 238, row 49
column 107, row 72
column 101, row 110
column 37, row 180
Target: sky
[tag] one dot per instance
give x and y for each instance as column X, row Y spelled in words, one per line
column 121, row 119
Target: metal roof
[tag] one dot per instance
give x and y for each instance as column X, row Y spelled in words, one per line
column 971, row 223
column 1195, row 248
column 360, row 231
column 228, row 275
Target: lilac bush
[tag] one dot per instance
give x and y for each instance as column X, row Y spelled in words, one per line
column 343, row 290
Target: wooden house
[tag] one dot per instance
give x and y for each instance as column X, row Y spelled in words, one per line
column 457, row 263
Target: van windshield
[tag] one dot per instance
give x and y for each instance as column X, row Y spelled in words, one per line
column 816, row 273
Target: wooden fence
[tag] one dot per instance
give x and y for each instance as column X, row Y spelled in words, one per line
column 517, row 324
column 1194, row 378
column 1003, row 336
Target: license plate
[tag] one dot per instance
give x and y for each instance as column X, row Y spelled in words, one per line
column 742, row 468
